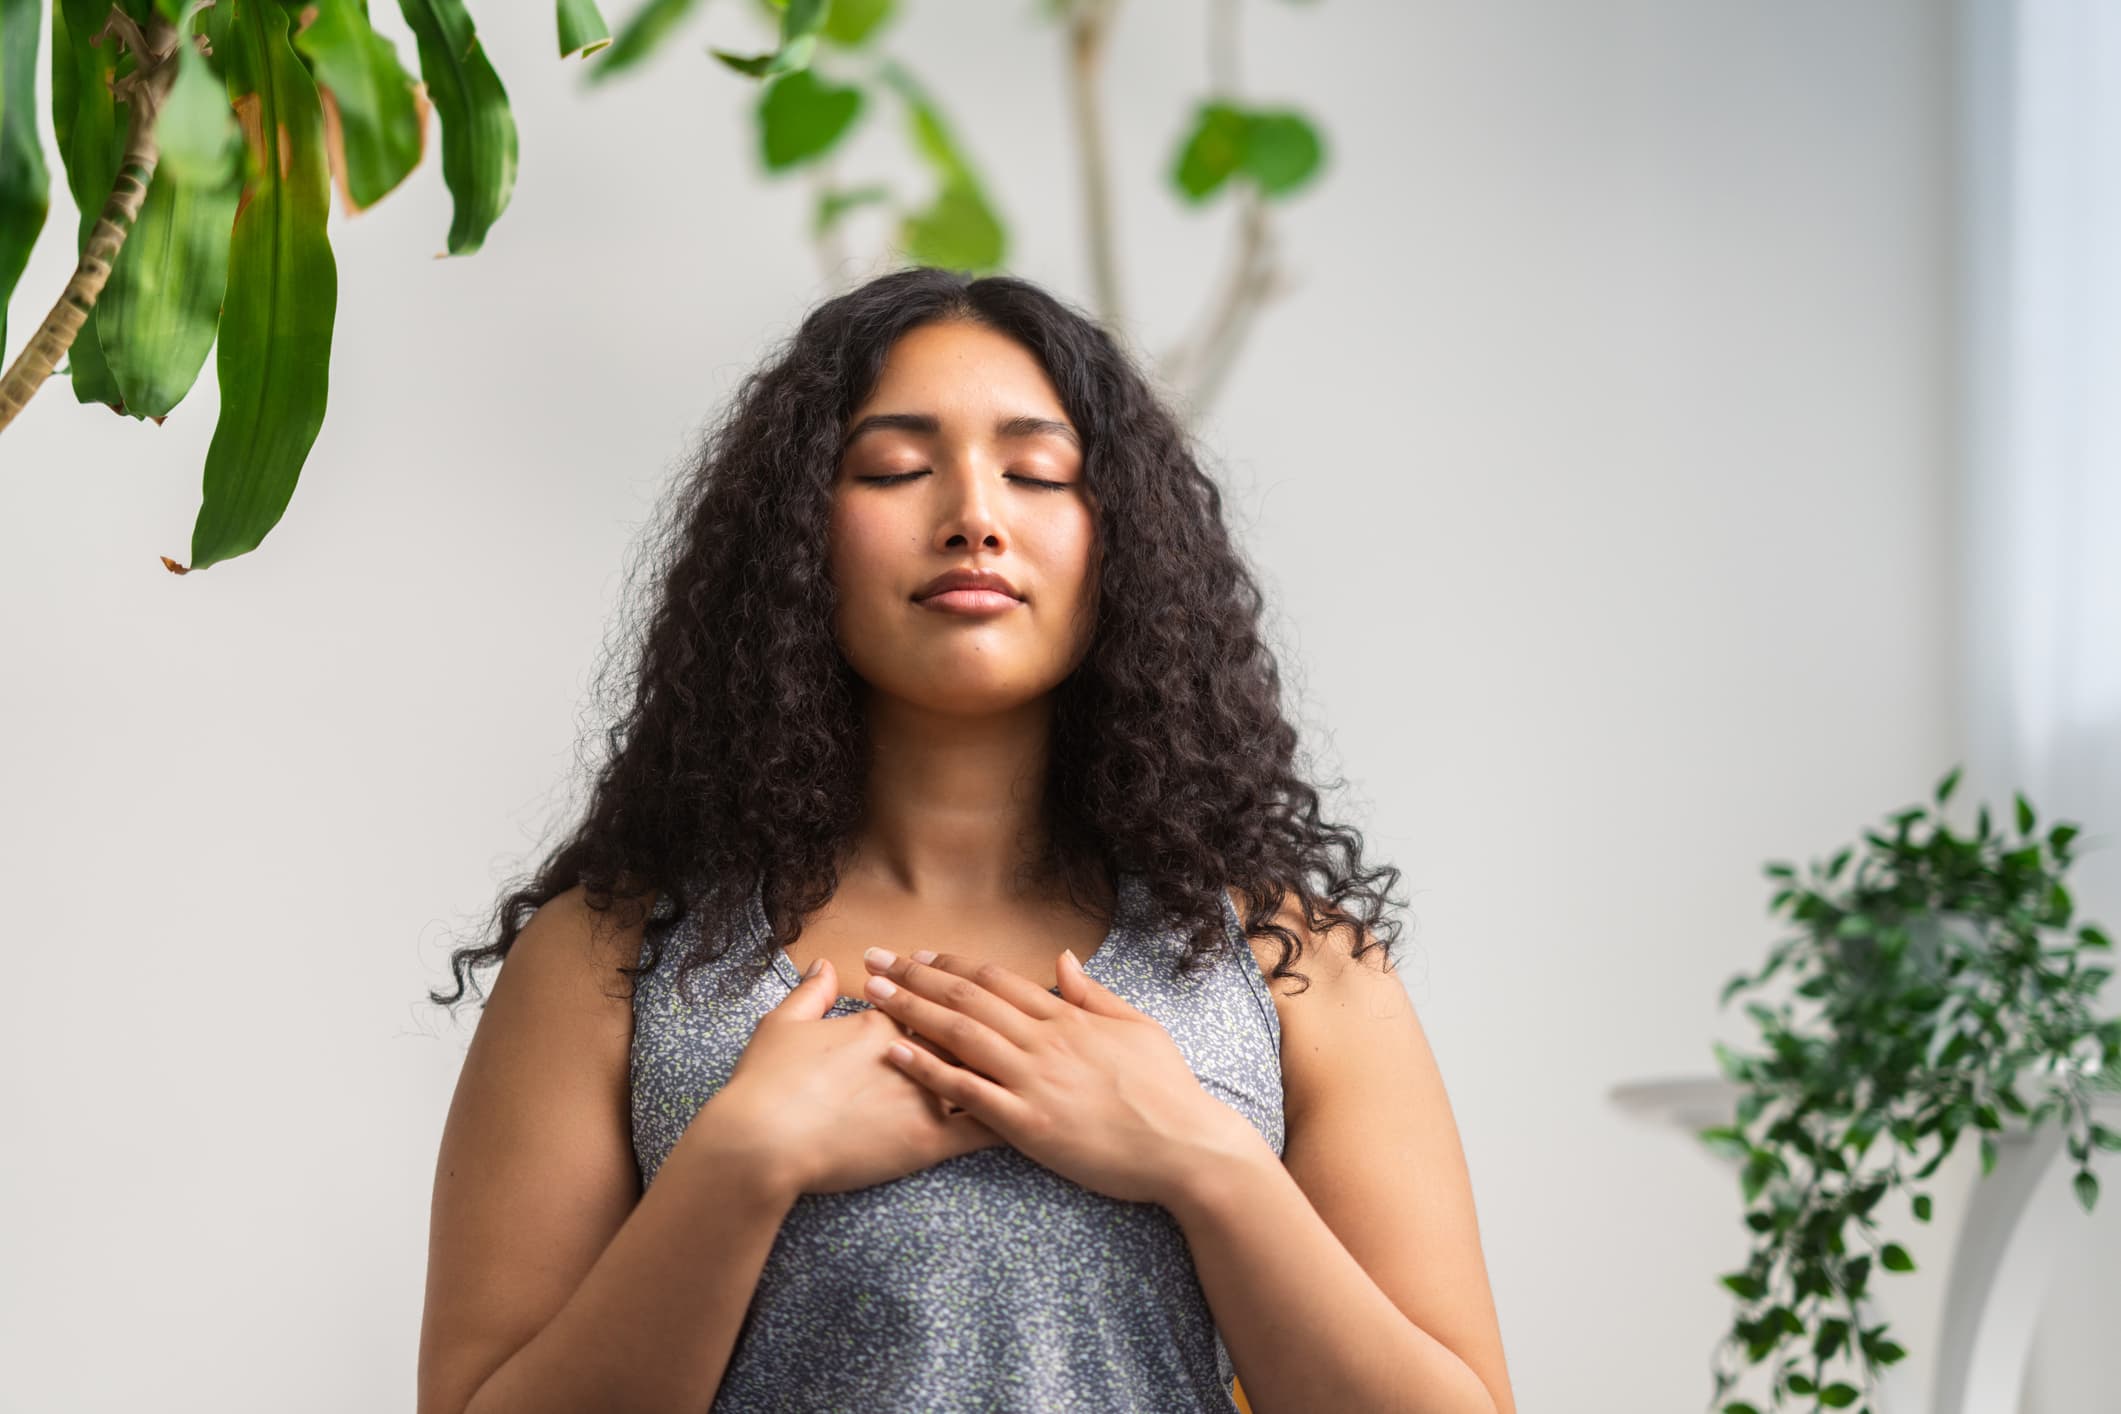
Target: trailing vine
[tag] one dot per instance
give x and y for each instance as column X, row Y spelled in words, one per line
column 1938, row 991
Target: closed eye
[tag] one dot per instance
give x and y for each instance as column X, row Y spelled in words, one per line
column 909, row 475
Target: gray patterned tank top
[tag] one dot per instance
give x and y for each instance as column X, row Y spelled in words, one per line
column 986, row 1282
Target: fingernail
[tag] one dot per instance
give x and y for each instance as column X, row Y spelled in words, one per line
column 816, row 964
column 878, row 957
column 1069, row 953
column 924, row 956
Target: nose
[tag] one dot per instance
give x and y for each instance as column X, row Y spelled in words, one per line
column 969, row 516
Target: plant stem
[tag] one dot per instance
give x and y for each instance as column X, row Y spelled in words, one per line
column 1197, row 364
column 1089, row 25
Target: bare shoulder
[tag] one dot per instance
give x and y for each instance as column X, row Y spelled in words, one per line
column 1342, row 988
column 1373, row 1143
column 587, row 944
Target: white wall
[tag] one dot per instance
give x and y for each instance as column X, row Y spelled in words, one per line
column 1599, row 467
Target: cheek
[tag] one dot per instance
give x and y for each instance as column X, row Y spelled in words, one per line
column 859, row 551
column 1065, row 549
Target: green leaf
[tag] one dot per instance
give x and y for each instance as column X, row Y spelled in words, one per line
column 379, row 127
column 958, row 231
column 478, row 130
column 2093, row 936
column 1944, row 787
column 161, row 306
column 276, row 318
column 1922, row 1207
column 641, row 35
column 801, row 116
column 1746, row 1285
column 851, row 22
column 25, row 182
column 2025, row 815
column 1282, row 150
column 1758, row 1169
column 800, row 22
column 582, row 28
column 1894, row 1258
column 832, row 205
column 786, row 59
column 2087, row 1184
column 1839, row 1396
column 1213, row 149
column 1733, row 1065
column 201, row 141
column 1727, row 1140
column 91, row 144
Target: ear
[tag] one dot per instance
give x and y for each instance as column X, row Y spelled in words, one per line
column 1085, row 991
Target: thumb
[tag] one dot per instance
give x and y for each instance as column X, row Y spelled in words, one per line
column 812, row 997
column 1085, row 991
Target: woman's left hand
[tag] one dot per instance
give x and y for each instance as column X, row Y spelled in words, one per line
column 1083, row 1083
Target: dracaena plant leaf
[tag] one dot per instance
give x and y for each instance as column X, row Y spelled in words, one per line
column 161, row 305
column 375, row 117
column 478, row 130
column 276, row 319
column 25, row 185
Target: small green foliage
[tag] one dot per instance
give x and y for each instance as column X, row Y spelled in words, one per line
column 802, row 117
column 1278, row 149
column 1936, row 989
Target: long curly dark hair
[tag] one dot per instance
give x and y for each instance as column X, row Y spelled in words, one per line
column 740, row 756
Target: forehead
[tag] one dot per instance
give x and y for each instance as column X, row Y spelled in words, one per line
column 965, row 375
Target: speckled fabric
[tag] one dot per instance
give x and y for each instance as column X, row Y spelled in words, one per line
column 986, row 1282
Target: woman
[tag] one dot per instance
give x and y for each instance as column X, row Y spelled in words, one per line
column 953, row 850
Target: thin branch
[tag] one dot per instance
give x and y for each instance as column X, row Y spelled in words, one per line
column 1198, row 363
column 1089, row 25
column 831, row 249
column 1256, row 277
column 143, row 91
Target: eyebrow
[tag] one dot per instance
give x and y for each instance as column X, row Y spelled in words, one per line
column 926, row 424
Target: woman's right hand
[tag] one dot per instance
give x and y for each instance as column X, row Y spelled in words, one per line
column 819, row 1094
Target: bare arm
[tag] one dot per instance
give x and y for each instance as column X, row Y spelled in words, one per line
column 1348, row 1273
column 652, row 1326
column 553, row 1283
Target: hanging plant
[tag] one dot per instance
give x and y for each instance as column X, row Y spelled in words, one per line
column 1944, row 976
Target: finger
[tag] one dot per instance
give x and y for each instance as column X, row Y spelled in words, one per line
column 810, row 998
column 974, row 1094
column 1012, row 987
column 965, row 1134
column 998, row 998
column 1087, row 992
column 1074, row 984
column 940, row 1008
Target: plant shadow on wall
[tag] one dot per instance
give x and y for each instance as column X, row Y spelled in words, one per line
column 1937, row 993
column 189, row 242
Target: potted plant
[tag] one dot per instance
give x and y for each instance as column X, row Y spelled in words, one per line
column 1945, row 975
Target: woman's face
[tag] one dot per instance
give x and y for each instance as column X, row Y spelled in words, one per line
column 989, row 477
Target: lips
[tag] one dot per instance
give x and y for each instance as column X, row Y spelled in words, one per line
column 967, row 579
